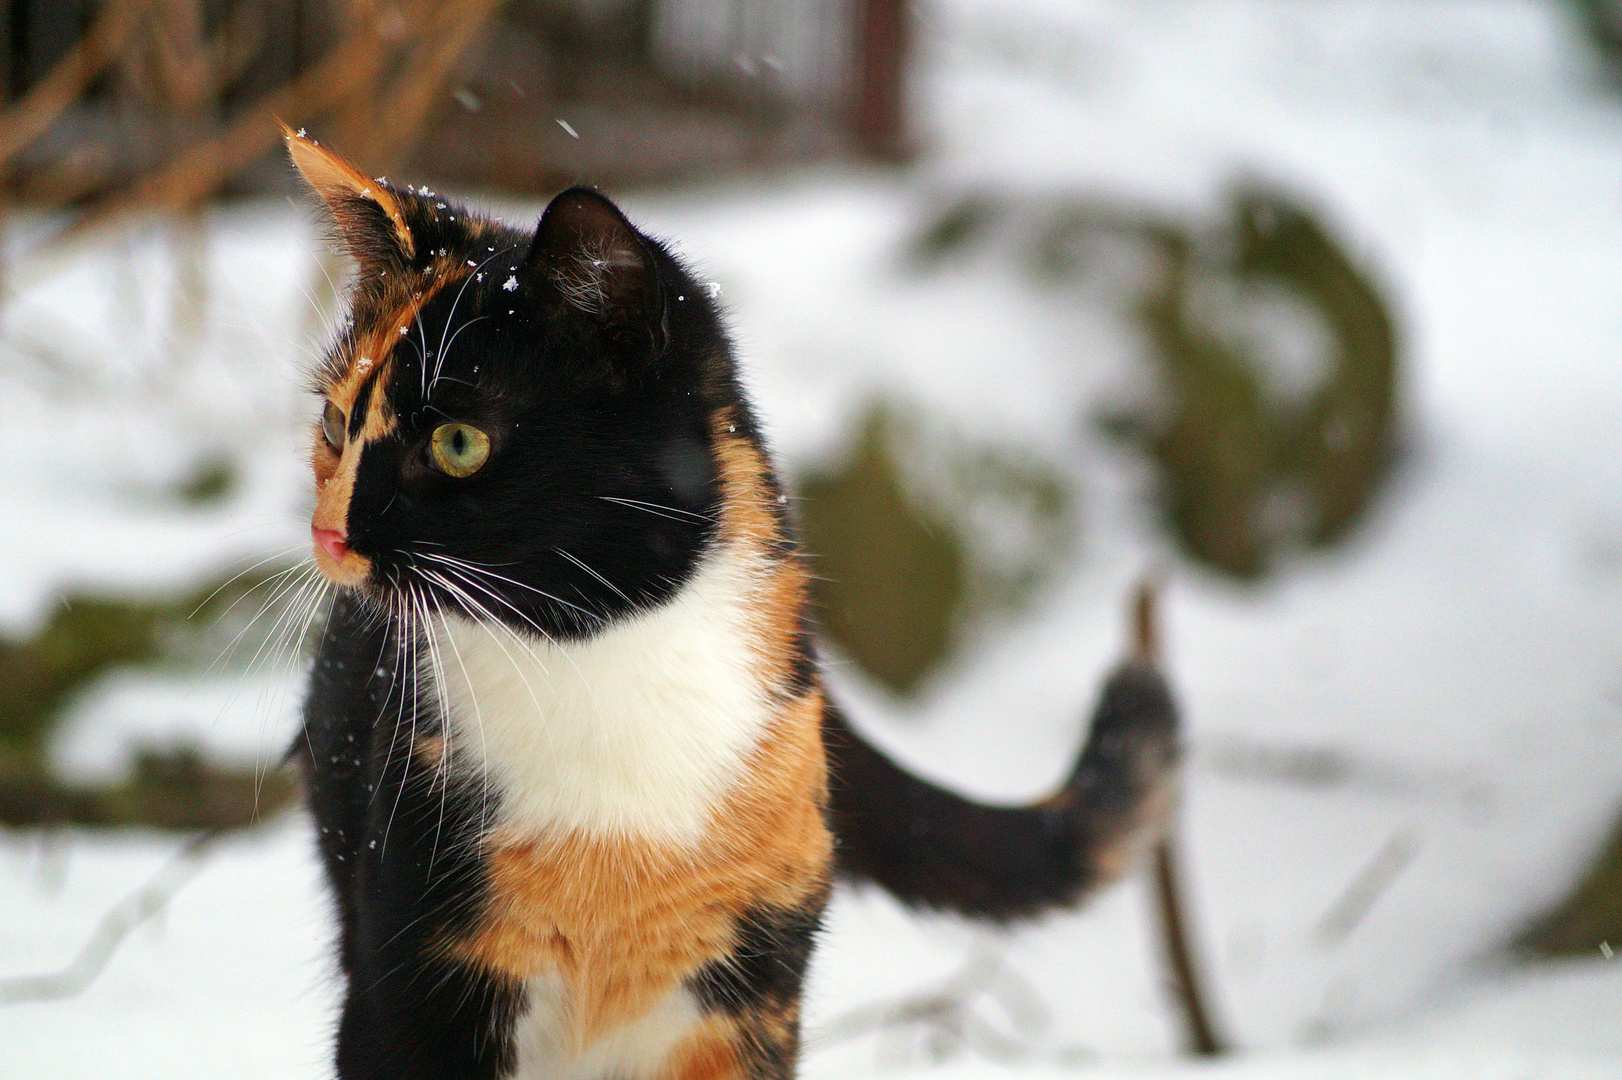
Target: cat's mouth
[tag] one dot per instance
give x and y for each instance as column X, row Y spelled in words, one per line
column 335, row 559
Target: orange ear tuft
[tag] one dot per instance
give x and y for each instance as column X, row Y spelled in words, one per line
column 338, row 182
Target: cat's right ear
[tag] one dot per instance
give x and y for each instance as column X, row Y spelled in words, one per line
column 369, row 218
column 593, row 257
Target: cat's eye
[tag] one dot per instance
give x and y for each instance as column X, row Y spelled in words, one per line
column 332, row 426
column 459, row 449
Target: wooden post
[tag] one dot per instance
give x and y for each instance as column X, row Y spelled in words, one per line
column 879, row 114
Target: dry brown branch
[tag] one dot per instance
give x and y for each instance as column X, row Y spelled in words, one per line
column 114, row 927
column 205, row 166
column 348, row 71
column 412, row 97
column 1177, row 945
column 1186, row 985
column 39, row 109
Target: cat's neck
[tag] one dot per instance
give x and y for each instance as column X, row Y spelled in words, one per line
column 638, row 731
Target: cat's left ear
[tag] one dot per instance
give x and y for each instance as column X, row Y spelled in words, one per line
column 600, row 266
column 370, row 219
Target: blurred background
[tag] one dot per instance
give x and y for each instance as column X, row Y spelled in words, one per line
column 1307, row 311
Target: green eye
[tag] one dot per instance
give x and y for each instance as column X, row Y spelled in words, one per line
column 459, row 449
column 332, row 426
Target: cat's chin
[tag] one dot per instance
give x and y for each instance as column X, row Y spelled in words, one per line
column 352, row 571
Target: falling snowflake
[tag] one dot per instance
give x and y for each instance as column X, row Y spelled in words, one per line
column 510, row 284
column 363, row 365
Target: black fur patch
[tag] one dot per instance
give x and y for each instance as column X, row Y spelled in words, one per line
column 600, row 492
column 363, row 399
column 433, row 1021
column 766, row 967
column 760, row 982
column 398, row 840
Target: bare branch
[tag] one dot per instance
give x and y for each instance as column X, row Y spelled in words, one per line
column 37, row 111
column 1368, row 886
column 124, row 916
column 1186, row 984
column 947, row 1021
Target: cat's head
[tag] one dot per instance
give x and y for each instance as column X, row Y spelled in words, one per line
column 524, row 425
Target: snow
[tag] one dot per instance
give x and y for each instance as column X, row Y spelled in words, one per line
column 1461, row 658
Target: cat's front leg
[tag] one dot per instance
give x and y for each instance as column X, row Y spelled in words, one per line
column 427, row 1021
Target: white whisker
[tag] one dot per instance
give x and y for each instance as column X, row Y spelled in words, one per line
column 595, row 574
column 491, row 574
column 658, row 509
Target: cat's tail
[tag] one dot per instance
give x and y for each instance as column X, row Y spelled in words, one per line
column 934, row 849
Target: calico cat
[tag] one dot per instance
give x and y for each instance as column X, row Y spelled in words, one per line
column 579, row 788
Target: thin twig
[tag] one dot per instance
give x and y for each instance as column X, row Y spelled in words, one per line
column 1368, row 886
column 69, row 77
column 1185, row 980
column 114, row 927
column 1327, row 767
column 947, row 1019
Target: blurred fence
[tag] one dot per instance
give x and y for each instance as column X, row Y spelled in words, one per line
column 135, row 103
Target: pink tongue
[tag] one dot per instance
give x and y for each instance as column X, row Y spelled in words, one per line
column 331, row 541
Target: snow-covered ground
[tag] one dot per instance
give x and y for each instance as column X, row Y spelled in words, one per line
column 1462, row 657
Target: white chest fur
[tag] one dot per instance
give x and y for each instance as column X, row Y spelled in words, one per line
column 638, row 1050
column 638, row 731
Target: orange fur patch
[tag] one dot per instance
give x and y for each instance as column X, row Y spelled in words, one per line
column 624, row 920
column 748, row 518
column 711, row 1053
column 333, row 179
column 746, row 511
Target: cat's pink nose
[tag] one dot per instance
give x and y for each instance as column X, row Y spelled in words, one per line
column 331, row 541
